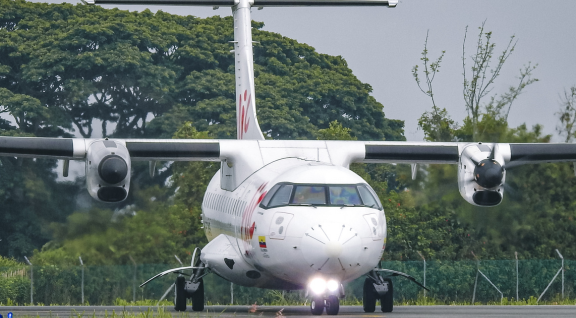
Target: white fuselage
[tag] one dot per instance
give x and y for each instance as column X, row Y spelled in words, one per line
column 291, row 244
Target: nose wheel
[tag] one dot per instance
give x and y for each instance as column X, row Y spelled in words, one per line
column 317, row 306
column 332, row 305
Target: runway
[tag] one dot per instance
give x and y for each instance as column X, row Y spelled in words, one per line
column 296, row 311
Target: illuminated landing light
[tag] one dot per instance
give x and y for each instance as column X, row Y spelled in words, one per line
column 332, row 285
column 318, row 285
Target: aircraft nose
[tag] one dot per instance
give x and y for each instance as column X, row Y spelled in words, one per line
column 331, row 247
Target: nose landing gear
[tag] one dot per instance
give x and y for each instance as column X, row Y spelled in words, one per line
column 332, row 305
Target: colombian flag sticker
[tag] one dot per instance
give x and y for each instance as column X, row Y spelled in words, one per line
column 262, row 241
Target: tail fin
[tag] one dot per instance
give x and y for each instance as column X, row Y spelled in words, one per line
column 246, row 123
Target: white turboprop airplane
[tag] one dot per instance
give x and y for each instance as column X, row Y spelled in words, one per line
column 285, row 214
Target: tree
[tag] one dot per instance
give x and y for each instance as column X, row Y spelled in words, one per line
column 335, row 132
column 567, row 115
column 437, row 126
column 478, row 83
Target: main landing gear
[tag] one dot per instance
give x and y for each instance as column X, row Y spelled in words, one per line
column 378, row 288
column 193, row 288
column 188, row 289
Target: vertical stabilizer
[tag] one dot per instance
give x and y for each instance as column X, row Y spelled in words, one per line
column 246, row 123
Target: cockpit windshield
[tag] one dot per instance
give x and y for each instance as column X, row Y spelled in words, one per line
column 284, row 194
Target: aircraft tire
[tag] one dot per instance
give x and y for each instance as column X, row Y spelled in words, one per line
column 180, row 294
column 387, row 301
column 317, row 306
column 333, row 305
column 198, row 297
column 369, row 296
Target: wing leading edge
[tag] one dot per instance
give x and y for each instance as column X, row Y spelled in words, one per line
column 221, row 149
column 211, row 149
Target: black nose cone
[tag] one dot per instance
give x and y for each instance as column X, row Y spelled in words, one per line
column 488, row 173
column 113, row 169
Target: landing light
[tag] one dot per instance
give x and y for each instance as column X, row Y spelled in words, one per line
column 332, row 285
column 319, row 285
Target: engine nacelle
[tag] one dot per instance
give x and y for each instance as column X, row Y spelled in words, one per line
column 108, row 171
column 481, row 173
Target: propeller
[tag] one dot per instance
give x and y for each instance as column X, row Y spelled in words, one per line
column 488, row 173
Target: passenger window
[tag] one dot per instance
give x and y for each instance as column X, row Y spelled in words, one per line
column 344, row 195
column 309, row 195
column 282, row 196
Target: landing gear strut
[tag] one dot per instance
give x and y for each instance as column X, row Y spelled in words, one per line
column 378, row 288
column 193, row 288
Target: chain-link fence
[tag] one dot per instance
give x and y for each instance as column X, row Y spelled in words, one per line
column 447, row 280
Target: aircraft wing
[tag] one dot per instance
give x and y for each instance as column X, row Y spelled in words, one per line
column 481, row 166
column 138, row 149
column 350, row 151
column 450, row 152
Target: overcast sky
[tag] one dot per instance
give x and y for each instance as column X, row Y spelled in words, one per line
column 381, row 45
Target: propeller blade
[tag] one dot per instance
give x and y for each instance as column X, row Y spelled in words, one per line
column 492, row 152
column 514, row 193
column 514, row 164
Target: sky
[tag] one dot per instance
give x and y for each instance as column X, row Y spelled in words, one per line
column 381, row 45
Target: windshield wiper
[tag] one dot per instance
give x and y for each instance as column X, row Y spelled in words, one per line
column 305, row 204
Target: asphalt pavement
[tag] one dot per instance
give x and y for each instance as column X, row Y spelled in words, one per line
column 296, row 311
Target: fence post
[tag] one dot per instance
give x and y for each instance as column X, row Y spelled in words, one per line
column 476, row 280
column 31, row 280
column 231, row 293
column 424, row 271
column 82, row 286
column 562, row 271
column 133, row 280
column 516, row 255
